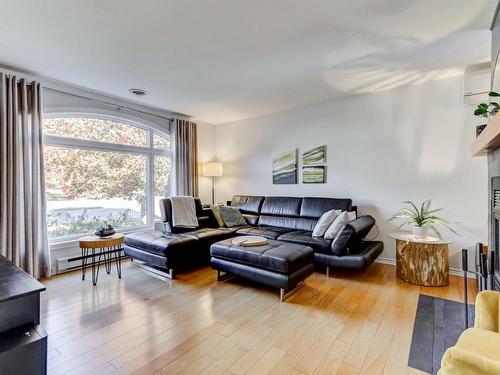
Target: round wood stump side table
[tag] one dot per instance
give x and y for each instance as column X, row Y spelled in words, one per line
column 107, row 248
column 421, row 260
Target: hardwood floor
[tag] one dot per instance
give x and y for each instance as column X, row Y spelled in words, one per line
column 346, row 324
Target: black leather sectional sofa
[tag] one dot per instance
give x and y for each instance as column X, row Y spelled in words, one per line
column 288, row 219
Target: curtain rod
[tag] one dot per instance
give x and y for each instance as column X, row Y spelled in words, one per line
column 109, row 104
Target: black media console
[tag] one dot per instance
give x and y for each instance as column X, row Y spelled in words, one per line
column 23, row 342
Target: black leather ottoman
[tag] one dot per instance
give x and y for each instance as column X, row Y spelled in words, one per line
column 160, row 249
column 279, row 264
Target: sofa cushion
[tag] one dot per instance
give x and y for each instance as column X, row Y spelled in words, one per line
column 210, row 234
column 232, row 216
column 292, row 223
column 264, row 231
column 275, row 256
column 476, row 352
column 204, row 221
column 480, row 341
column 247, row 204
column 305, row 238
column 251, row 219
column 157, row 242
column 315, row 207
column 281, row 206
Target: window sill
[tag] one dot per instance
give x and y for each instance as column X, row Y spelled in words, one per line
column 61, row 243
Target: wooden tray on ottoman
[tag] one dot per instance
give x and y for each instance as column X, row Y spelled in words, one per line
column 249, row 241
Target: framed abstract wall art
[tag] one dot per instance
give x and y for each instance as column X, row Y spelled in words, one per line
column 314, row 174
column 314, row 156
column 285, row 168
column 313, row 165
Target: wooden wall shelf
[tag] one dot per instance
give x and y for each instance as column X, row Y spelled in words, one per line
column 489, row 139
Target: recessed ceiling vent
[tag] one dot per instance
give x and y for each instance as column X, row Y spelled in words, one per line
column 138, row 92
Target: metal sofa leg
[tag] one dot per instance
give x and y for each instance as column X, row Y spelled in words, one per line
column 170, row 273
column 284, row 294
column 224, row 276
column 327, row 271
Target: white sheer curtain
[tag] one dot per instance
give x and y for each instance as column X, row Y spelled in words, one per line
column 23, row 228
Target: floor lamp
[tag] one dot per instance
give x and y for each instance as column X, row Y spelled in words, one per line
column 212, row 170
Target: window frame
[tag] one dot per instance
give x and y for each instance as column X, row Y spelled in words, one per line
column 148, row 151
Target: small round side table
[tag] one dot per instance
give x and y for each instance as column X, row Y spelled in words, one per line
column 109, row 247
column 421, row 260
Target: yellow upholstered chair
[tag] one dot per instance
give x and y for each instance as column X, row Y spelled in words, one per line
column 477, row 351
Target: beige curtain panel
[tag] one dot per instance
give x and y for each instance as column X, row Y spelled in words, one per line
column 185, row 157
column 23, row 228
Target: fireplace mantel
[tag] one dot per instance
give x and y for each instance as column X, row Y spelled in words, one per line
column 489, row 139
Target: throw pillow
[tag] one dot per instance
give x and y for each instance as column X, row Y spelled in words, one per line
column 217, row 214
column 232, row 216
column 324, row 222
column 339, row 223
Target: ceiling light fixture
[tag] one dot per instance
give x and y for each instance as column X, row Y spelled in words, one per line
column 138, row 92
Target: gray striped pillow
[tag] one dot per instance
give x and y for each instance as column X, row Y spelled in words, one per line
column 232, row 216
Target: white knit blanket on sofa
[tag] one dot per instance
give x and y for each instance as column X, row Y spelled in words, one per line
column 183, row 212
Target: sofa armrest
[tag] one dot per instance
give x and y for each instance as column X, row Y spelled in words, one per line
column 362, row 225
column 341, row 242
column 483, row 363
column 349, row 239
column 487, row 314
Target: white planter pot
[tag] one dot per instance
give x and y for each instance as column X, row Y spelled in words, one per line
column 420, row 231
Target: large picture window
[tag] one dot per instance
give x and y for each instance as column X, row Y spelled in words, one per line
column 100, row 171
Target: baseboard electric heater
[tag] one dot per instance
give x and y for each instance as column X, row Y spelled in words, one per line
column 67, row 264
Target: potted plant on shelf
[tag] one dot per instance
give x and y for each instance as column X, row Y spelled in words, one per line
column 485, row 110
column 421, row 220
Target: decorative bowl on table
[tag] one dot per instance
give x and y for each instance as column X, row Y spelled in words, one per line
column 105, row 231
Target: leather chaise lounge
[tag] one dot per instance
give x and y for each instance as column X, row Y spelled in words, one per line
column 286, row 219
column 176, row 248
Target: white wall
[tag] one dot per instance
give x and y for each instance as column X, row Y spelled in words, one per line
column 411, row 143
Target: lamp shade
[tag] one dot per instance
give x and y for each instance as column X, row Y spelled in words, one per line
column 212, row 169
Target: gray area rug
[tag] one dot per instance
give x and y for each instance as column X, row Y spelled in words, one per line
column 438, row 324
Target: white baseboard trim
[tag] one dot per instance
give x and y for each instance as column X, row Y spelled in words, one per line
column 385, row 260
column 453, row 271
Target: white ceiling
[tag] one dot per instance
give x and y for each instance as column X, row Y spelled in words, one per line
column 225, row 60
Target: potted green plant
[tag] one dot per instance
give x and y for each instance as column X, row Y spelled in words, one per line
column 421, row 220
column 485, row 110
